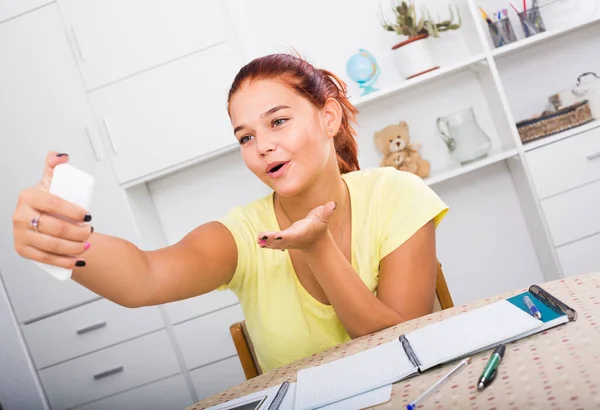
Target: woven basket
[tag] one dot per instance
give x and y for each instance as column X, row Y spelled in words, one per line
column 564, row 119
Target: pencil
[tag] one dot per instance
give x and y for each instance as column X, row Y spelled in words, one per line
column 413, row 404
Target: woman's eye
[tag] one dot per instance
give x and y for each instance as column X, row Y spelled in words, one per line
column 279, row 121
column 245, row 139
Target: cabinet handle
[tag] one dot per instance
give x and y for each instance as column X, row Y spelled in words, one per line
column 592, row 157
column 91, row 327
column 78, row 44
column 107, row 373
column 110, row 137
column 92, row 143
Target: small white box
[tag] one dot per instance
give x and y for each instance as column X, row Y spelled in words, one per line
column 73, row 185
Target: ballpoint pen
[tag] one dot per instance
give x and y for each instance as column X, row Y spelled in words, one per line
column 491, row 369
column 532, row 308
column 413, row 404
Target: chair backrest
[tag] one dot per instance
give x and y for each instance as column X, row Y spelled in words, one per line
column 245, row 349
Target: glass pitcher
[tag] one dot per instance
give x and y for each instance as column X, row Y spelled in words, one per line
column 465, row 139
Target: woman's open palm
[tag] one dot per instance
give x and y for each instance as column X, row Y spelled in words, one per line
column 303, row 233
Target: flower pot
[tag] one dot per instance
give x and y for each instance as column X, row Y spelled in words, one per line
column 413, row 57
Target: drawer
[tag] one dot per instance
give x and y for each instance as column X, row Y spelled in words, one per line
column 580, row 257
column 217, row 377
column 200, row 305
column 87, row 328
column 207, row 339
column 566, row 164
column 111, row 370
column 167, row 394
column 574, row 214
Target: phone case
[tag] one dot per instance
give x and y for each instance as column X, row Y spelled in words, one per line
column 75, row 186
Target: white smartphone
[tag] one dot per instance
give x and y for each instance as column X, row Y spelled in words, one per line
column 73, row 185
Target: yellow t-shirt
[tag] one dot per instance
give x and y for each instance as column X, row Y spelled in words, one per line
column 283, row 320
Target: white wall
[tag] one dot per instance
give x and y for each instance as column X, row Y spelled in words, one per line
column 19, row 386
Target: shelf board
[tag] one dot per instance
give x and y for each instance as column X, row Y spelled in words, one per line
column 542, row 37
column 561, row 135
column 420, row 80
column 449, row 173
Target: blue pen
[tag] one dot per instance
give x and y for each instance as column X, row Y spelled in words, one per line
column 532, row 308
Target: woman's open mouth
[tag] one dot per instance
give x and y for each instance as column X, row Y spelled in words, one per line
column 277, row 169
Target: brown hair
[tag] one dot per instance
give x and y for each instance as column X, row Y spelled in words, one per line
column 317, row 85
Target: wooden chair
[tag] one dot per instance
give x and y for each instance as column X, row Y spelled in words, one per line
column 245, row 349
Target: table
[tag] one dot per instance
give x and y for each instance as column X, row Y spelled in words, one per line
column 556, row 369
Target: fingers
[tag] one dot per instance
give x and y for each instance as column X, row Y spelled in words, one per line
column 55, row 245
column 271, row 240
column 51, row 259
column 53, row 158
column 45, row 202
column 58, row 228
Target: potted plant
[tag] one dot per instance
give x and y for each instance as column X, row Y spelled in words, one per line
column 412, row 56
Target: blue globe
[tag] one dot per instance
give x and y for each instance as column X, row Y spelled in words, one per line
column 363, row 69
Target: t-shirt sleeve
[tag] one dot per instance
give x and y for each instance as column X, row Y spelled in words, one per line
column 236, row 222
column 407, row 204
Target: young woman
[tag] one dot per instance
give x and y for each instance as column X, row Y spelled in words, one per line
column 333, row 253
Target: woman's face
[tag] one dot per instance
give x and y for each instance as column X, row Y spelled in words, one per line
column 284, row 139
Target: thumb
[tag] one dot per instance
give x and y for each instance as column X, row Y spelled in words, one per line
column 53, row 158
column 324, row 212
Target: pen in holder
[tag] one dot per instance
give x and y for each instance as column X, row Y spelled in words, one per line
column 502, row 32
column 531, row 21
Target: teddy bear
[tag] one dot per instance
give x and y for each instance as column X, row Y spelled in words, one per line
column 394, row 143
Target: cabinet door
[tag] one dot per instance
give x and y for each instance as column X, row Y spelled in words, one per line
column 207, row 339
column 118, row 38
column 87, row 328
column 108, row 371
column 200, row 305
column 168, row 394
column 44, row 107
column 169, row 115
column 580, row 257
column 13, row 8
column 217, row 377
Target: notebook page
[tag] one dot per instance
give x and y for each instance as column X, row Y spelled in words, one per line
column 364, row 400
column 469, row 332
column 364, row 371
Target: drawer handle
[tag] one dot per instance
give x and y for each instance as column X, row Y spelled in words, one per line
column 107, row 373
column 592, row 157
column 91, row 327
column 78, row 44
column 92, row 143
column 110, row 137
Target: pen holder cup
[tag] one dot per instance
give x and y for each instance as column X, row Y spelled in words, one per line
column 531, row 21
column 502, row 32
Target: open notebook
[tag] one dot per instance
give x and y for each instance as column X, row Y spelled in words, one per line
column 438, row 343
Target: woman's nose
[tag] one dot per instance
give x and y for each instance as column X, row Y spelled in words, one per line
column 264, row 145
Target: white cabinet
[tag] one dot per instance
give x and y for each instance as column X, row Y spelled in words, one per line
column 87, row 328
column 566, row 164
column 169, row 115
column 207, row 339
column 580, row 257
column 168, row 394
column 200, row 305
column 217, row 377
column 12, row 8
column 111, row 370
column 48, row 109
column 114, row 39
column 574, row 214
